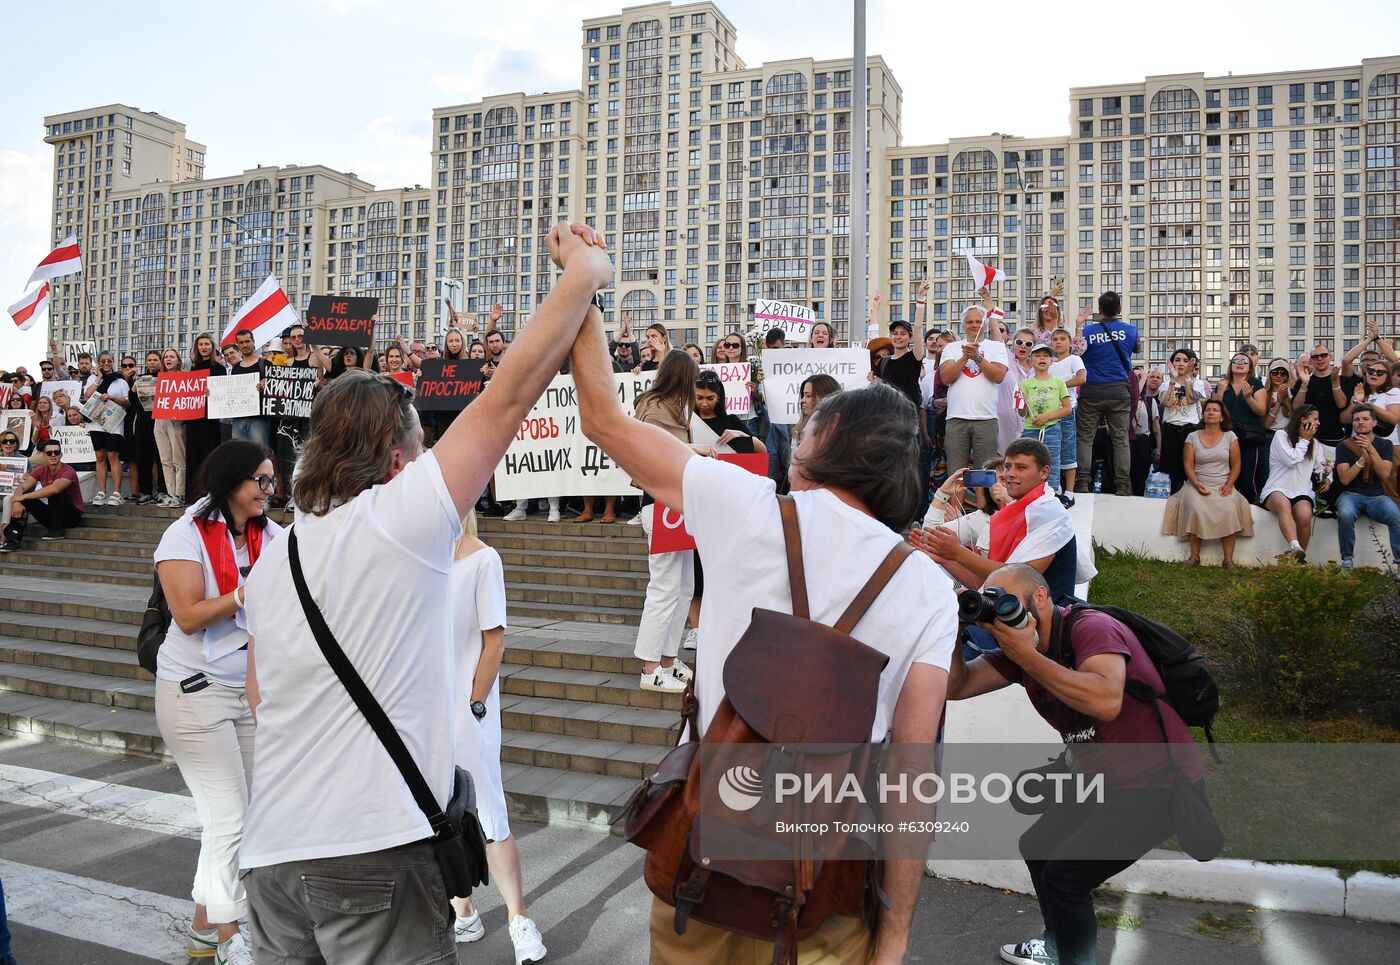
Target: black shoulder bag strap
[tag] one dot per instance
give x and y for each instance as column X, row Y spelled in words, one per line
column 374, row 714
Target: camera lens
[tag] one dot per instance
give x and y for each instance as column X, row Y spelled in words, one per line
column 973, row 607
column 1010, row 611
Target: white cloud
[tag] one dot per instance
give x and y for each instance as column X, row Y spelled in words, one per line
column 507, row 69
column 341, row 7
column 391, row 152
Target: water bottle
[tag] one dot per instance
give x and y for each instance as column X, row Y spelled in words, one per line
column 1098, row 478
column 1159, row 486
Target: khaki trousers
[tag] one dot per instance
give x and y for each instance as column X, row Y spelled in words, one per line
column 839, row 941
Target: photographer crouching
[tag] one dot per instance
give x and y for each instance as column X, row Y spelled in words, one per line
column 1082, row 683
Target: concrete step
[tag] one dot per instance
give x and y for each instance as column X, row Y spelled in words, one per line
column 77, row 657
column 80, row 543
column 48, row 628
column 548, row 556
column 80, row 606
column 580, row 754
column 36, row 681
column 11, row 566
column 558, row 683
column 570, row 718
column 568, row 599
column 80, row 722
column 547, row 647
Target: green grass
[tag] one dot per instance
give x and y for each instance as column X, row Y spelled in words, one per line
column 1194, row 601
column 1234, row 929
column 1118, row 920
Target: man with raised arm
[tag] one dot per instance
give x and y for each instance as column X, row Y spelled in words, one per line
column 855, row 484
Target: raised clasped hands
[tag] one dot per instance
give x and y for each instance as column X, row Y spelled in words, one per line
column 574, row 246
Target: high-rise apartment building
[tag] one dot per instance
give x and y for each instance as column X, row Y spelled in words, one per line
column 1226, row 210
column 168, row 254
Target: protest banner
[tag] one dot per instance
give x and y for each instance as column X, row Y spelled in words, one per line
column 449, row 385
column 105, row 415
column 181, row 395
column 71, row 351
column 76, row 444
column 552, row 457
column 796, row 321
column 12, row 470
column 785, row 368
column 287, row 391
column 668, row 532
column 145, row 389
column 341, row 320
column 70, row 387
column 18, row 422
column 234, row 396
column 735, row 377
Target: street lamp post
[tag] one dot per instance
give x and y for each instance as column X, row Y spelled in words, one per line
column 1021, row 248
column 856, row 289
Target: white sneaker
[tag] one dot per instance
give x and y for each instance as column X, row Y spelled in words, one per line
column 99, row 500
column 662, row 679
column 115, row 499
column 201, row 944
column 636, row 520
column 233, row 952
column 554, row 517
column 680, row 671
column 526, row 939
column 469, row 929
column 516, row 515
column 692, row 639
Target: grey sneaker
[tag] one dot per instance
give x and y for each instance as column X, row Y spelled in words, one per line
column 1032, row 952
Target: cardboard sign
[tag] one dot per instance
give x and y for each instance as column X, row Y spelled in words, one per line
column 12, row 470
column 287, row 391
column 76, row 443
column 784, row 370
column 552, row 457
column 181, row 395
column 735, row 377
column 234, row 396
column 71, row 351
column 105, row 415
column 17, row 421
column 796, row 321
column 668, row 532
column 449, row 385
column 71, row 387
column 337, row 320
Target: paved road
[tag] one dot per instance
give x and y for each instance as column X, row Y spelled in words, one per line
column 96, row 854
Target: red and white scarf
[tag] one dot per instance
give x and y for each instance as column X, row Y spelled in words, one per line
column 223, row 555
column 1032, row 527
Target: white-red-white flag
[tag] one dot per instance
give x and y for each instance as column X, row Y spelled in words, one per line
column 266, row 312
column 31, row 308
column 63, row 260
column 982, row 275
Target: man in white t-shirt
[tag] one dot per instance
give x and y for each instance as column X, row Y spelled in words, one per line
column 855, row 484
column 973, row 369
column 338, row 863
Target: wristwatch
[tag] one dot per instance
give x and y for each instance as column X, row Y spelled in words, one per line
column 598, row 301
column 478, row 709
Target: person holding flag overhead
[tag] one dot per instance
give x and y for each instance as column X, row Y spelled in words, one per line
column 973, row 368
column 266, row 313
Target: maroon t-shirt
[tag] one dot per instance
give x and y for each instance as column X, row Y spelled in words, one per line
column 48, row 474
column 1099, row 745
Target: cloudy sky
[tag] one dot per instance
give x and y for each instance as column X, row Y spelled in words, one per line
column 352, row 83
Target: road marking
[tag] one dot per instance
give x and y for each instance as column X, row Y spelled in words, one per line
column 137, row 922
column 119, row 804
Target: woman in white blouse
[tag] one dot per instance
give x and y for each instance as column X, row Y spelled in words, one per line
column 1289, row 492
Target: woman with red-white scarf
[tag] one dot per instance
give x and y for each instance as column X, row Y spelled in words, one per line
column 202, row 685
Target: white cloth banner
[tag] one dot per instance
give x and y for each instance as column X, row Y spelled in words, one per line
column 735, row 377
column 76, row 443
column 551, row 456
column 785, row 369
column 234, row 397
column 795, row 320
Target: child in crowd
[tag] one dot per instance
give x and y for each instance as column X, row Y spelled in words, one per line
column 1068, row 368
column 1046, row 400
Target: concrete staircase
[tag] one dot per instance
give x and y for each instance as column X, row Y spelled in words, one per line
column 578, row 733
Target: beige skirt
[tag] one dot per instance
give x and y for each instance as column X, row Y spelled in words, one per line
column 1213, row 516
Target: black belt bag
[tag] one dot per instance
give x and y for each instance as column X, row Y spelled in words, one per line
column 458, row 841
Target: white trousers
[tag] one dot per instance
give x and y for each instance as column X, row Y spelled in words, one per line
column 671, row 585
column 210, row 735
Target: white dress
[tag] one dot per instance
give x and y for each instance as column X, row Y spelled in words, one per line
column 1291, row 468
column 479, row 591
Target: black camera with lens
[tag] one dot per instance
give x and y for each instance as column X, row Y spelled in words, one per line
column 995, row 604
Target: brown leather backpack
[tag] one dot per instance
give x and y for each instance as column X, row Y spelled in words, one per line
column 788, row 681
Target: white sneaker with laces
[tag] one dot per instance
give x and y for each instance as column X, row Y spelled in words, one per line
column 662, row 679
column 469, row 929
column 680, row 671
column 233, row 952
column 692, row 638
column 1032, row 952
column 526, row 939
column 516, row 515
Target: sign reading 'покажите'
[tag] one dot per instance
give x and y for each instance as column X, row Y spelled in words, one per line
column 336, row 320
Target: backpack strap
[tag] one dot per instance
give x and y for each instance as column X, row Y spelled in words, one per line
column 792, row 538
column 873, row 587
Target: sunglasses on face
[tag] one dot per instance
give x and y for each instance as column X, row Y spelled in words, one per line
column 1377, row 372
column 733, row 344
column 264, row 482
column 53, row 453
column 1021, row 341
column 1322, row 355
column 9, row 442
